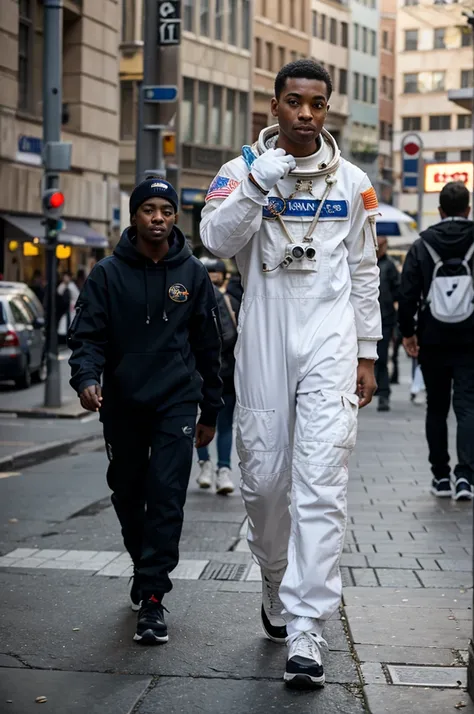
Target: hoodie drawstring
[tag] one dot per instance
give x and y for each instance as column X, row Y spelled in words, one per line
column 148, row 319
column 165, row 316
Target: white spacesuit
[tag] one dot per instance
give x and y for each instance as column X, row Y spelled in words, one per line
column 304, row 322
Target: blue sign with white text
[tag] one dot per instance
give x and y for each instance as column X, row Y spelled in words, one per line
column 304, row 208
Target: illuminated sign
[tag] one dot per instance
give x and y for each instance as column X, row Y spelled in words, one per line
column 438, row 175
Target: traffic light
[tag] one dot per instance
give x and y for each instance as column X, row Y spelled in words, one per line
column 53, row 203
column 169, row 144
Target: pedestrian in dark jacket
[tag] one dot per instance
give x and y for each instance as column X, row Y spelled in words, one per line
column 147, row 325
column 389, row 286
column 228, row 311
column 445, row 350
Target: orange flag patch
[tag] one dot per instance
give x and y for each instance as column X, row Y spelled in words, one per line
column 369, row 199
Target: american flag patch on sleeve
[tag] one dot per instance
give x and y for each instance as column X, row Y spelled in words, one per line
column 369, row 199
column 221, row 187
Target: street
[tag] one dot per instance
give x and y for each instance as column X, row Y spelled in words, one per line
column 66, row 627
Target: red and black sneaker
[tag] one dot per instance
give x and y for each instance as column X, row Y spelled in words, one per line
column 151, row 625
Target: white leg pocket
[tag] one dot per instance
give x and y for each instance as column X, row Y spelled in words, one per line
column 333, row 419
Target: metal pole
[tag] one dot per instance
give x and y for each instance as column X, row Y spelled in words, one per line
column 421, row 189
column 52, row 111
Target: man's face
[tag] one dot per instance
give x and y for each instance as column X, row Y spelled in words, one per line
column 155, row 220
column 383, row 245
column 217, row 278
column 301, row 109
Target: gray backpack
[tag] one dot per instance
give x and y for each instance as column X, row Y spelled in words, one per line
column 451, row 294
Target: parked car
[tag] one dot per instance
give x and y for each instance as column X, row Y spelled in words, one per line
column 22, row 335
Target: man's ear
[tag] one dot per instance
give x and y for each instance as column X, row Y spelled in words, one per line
column 176, row 217
column 133, row 220
column 274, row 107
column 328, row 107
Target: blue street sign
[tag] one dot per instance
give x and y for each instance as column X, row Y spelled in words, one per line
column 163, row 93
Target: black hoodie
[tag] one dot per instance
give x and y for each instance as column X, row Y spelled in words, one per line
column 451, row 239
column 151, row 329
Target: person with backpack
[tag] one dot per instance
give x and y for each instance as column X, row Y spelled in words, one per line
column 228, row 312
column 437, row 283
column 389, row 284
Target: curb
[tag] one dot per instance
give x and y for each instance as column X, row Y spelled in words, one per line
column 39, row 454
column 39, row 413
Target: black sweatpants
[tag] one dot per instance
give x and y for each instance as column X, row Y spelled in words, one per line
column 381, row 365
column 444, row 376
column 150, row 459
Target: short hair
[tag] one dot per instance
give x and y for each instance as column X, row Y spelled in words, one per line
column 454, row 198
column 305, row 69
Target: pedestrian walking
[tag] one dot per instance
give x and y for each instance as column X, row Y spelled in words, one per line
column 147, row 322
column 437, row 282
column 301, row 223
column 389, row 286
column 37, row 285
column 68, row 293
column 228, row 311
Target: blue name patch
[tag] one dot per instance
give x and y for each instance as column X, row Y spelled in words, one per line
column 304, row 208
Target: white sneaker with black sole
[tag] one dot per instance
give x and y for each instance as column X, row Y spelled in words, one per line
column 224, row 484
column 462, row 490
column 304, row 666
column 206, row 474
column 273, row 622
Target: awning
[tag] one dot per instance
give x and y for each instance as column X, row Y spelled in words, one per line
column 74, row 233
column 397, row 226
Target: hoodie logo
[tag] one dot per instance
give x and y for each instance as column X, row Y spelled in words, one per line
column 178, row 293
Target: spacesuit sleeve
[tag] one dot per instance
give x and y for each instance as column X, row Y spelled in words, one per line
column 362, row 259
column 232, row 213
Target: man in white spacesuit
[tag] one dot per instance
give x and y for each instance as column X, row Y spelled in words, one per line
column 301, row 222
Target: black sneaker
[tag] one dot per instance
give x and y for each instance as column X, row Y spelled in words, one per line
column 135, row 593
column 462, row 490
column 275, row 633
column 441, row 487
column 304, row 667
column 151, row 625
column 384, row 405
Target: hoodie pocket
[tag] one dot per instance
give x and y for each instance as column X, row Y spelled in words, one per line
column 147, row 379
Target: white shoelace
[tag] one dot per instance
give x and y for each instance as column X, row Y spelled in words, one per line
column 306, row 644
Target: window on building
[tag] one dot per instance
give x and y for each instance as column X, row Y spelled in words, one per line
column 219, row 20
column 314, row 18
column 280, row 11
column 411, row 123
column 465, row 155
column 382, row 130
column 292, row 14
column 229, row 116
column 440, row 122
column 281, row 57
column 188, row 15
column 384, row 85
column 258, row 52
column 187, row 111
column 25, row 55
column 467, row 76
column 269, row 56
column 342, row 81
column 333, row 32
column 365, row 47
column 438, row 81
column 356, row 36
column 390, row 132
column 216, row 116
column 202, row 119
column 241, row 137
column 304, row 21
column 128, row 110
column 128, row 17
column 440, row 155
column 466, row 37
column 385, row 40
column 322, row 34
column 373, row 45
column 204, row 18
column 390, row 88
column 293, row 55
column 464, row 121
column 232, row 29
column 332, row 74
column 411, row 40
column 410, row 84
column 439, row 42
column 356, row 88
column 411, row 3
column 365, row 88
column 344, row 34
column 373, row 90
column 246, row 24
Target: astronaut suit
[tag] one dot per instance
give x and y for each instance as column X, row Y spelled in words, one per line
column 304, row 322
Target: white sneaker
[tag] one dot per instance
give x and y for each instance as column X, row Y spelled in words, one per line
column 206, row 474
column 224, row 484
column 304, row 666
column 273, row 622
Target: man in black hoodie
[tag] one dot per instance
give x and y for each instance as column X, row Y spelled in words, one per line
column 445, row 351
column 146, row 325
column 389, row 285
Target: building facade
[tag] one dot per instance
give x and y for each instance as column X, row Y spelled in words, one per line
column 434, row 56
column 363, row 146
column 90, row 122
column 330, row 30
column 387, row 32
column 215, row 102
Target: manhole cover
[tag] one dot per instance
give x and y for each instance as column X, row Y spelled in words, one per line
column 223, row 571
column 455, row 677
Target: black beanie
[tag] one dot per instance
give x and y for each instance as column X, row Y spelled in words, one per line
column 152, row 188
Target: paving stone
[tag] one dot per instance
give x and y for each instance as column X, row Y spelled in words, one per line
column 431, row 579
column 450, row 564
column 387, row 699
column 356, row 560
column 372, row 673
column 393, row 654
column 428, row 563
column 7, row 660
column 452, row 677
column 365, row 577
column 410, row 548
column 397, row 578
column 426, row 598
column 380, row 560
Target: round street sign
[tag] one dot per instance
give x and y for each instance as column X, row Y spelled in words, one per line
column 411, row 146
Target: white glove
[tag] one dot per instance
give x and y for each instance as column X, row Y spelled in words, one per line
column 270, row 167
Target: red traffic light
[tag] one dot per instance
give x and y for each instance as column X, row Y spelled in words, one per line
column 56, row 199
